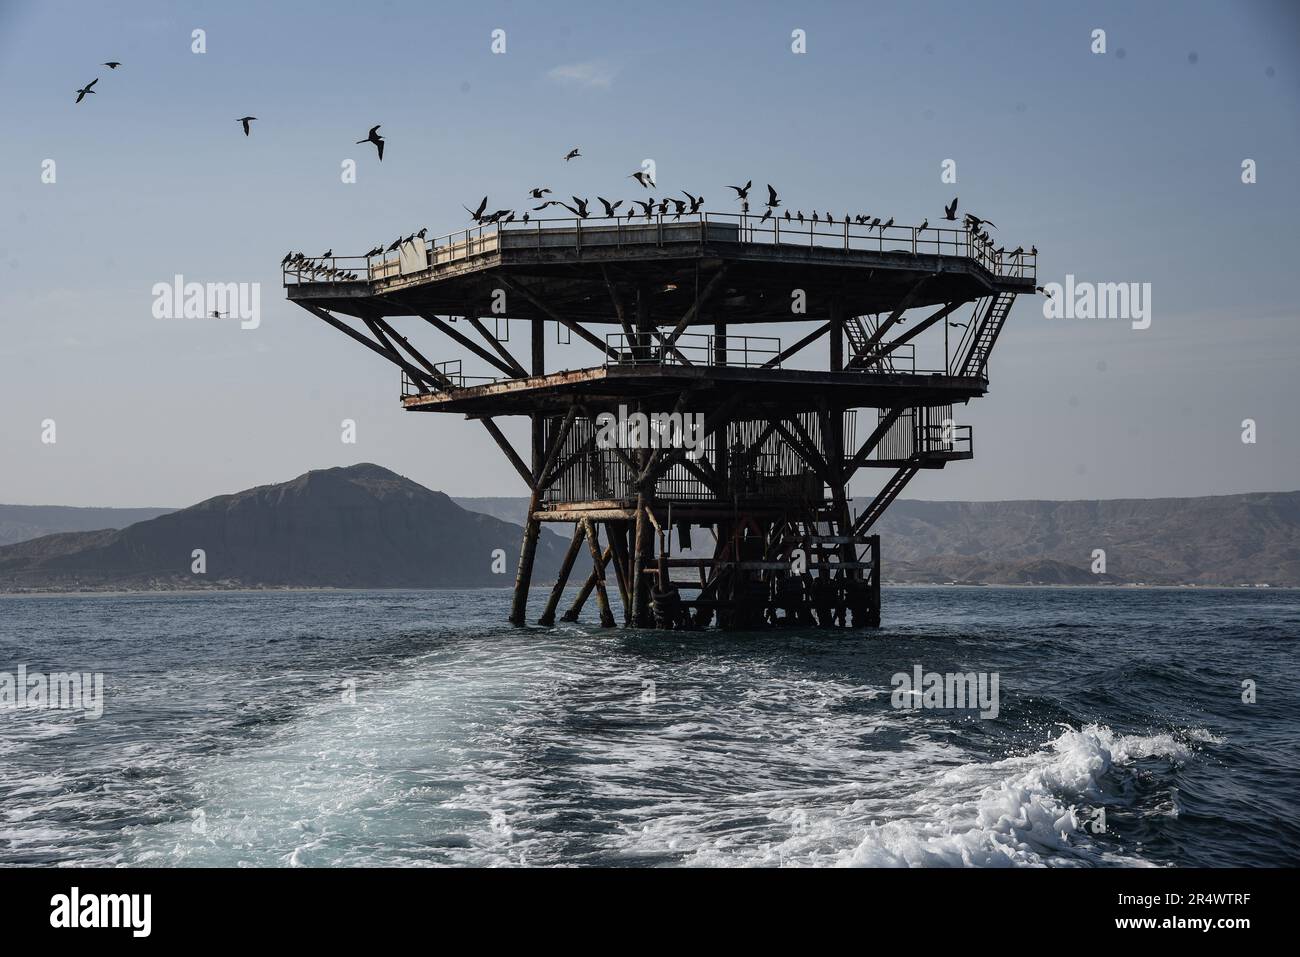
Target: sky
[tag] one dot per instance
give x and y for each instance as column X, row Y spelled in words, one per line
column 1123, row 166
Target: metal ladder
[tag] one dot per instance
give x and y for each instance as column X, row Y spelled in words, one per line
column 978, row 356
column 858, row 337
column 886, row 497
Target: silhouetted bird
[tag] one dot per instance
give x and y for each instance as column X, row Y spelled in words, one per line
column 924, row 224
column 374, row 137
column 611, row 209
column 285, row 260
column 767, row 214
column 81, row 94
column 975, row 222
column 1033, row 250
column 772, row 201
column 549, row 202
column 477, row 214
column 112, row 64
column 374, row 252
column 887, row 223
column 799, row 216
column 830, row 219
column 787, row 215
column 950, row 212
column 423, row 232
column 961, row 325
column 246, row 120
column 642, row 177
column 696, row 201
column 572, row 154
column 581, row 212
column 394, row 244
column 1018, row 250
column 1044, row 292
column 327, row 253
column 742, row 192
column 537, row 192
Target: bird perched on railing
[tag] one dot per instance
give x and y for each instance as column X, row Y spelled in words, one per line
column 922, row 227
column 374, row 252
column 696, row 202
column 611, row 209
column 327, row 253
column 374, row 137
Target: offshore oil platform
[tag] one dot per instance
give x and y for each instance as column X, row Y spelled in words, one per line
column 743, row 519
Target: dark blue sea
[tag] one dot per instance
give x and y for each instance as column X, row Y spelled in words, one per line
column 416, row 728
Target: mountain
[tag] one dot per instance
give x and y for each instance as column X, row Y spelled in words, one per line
column 18, row 523
column 366, row 527
column 1216, row 540
column 356, row 527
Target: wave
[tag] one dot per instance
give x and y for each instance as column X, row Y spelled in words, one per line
column 1029, row 815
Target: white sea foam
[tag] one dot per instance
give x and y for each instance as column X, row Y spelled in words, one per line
column 1029, row 814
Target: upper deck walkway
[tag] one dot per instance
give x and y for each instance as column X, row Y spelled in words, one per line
column 875, row 254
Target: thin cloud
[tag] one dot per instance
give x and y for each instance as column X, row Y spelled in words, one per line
column 594, row 75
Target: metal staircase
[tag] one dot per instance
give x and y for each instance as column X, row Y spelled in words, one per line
column 882, row 501
column 987, row 334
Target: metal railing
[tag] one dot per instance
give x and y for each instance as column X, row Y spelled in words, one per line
column 898, row 359
column 953, row 438
column 662, row 229
column 450, row 376
column 695, row 348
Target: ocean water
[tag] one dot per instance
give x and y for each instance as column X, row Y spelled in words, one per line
column 228, row 736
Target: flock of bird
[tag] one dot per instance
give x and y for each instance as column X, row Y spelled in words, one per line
column 89, row 88
column 581, row 208
column 246, row 121
column 649, row 208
